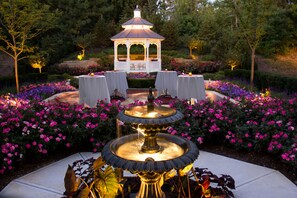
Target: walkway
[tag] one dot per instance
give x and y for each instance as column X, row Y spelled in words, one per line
column 252, row 181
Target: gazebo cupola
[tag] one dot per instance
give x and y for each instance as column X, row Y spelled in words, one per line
column 137, row 48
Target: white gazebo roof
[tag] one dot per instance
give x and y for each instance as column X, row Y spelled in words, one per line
column 137, row 31
column 137, row 27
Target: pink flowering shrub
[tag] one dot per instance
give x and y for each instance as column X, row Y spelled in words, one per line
column 260, row 124
column 30, row 128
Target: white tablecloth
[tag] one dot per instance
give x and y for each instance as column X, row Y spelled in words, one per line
column 166, row 80
column 92, row 89
column 117, row 80
column 190, row 87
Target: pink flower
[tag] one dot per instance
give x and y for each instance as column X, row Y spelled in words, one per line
column 250, row 145
column 103, row 116
column 173, row 132
column 9, row 162
column 53, row 123
column 68, row 145
column 187, row 124
column 28, row 146
column 232, row 140
column 91, row 139
column 6, row 130
column 200, row 140
column 58, row 139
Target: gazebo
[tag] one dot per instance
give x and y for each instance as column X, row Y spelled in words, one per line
column 137, row 31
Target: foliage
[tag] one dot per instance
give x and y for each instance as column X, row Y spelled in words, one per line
column 194, row 66
column 76, row 70
column 169, row 31
column 252, row 18
column 204, row 178
column 20, row 22
column 265, row 81
column 254, row 123
column 91, row 178
column 84, row 41
column 141, row 82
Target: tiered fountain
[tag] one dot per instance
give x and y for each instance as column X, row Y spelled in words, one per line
column 152, row 154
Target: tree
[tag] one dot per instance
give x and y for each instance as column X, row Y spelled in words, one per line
column 37, row 62
column 252, row 19
column 169, row 31
column 20, row 22
column 83, row 42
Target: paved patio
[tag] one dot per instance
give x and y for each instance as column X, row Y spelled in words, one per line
column 252, row 181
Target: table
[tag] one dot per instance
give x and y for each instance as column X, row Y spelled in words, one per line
column 166, row 80
column 117, row 80
column 92, row 89
column 191, row 87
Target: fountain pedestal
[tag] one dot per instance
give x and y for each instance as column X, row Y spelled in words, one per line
column 150, row 185
column 159, row 152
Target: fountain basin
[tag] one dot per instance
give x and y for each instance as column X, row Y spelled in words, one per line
column 117, row 154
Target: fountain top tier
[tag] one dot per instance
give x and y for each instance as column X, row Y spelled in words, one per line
column 150, row 114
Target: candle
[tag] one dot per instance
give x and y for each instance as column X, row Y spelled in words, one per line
column 190, row 73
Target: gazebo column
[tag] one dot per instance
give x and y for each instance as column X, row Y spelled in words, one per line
column 159, row 51
column 147, row 47
column 115, row 58
column 159, row 55
column 128, row 55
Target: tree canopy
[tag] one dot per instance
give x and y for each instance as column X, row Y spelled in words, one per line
column 228, row 29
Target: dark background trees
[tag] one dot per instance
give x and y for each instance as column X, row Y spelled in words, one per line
column 221, row 26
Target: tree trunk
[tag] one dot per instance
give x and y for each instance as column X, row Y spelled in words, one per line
column 190, row 51
column 39, row 70
column 16, row 74
column 252, row 67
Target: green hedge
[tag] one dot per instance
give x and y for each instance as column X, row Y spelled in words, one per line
column 265, row 80
column 9, row 81
column 141, row 82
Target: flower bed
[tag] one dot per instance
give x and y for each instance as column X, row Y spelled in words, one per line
column 31, row 127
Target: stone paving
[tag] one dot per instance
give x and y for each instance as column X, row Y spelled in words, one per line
column 252, row 181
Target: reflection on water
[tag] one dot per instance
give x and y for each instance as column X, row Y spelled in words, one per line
column 132, row 151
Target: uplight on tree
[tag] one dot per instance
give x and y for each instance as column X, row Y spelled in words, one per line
column 37, row 64
column 232, row 64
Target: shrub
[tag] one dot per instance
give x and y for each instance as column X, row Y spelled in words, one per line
column 141, row 82
column 265, row 81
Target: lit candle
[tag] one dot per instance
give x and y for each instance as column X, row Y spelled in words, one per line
column 190, row 73
column 91, row 74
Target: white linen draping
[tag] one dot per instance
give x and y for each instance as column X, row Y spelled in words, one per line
column 191, row 87
column 117, row 80
column 92, row 89
column 166, row 80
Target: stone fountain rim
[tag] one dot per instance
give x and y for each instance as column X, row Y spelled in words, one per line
column 150, row 121
column 190, row 155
